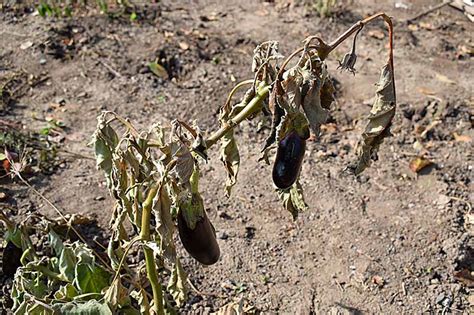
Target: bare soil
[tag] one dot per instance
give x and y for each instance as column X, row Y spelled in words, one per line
column 389, row 241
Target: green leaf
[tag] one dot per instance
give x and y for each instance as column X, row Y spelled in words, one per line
column 104, row 8
column 67, row 263
column 14, row 236
column 90, row 278
column 55, row 242
column 231, row 158
column 177, row 284
column 380, row 119
column 91, row 307
column 66, row 293
column 158, row 70
column 293, row 199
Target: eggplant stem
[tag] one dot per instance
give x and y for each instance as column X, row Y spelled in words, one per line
column 325, row 49
column 252, row 107
column 149, row 257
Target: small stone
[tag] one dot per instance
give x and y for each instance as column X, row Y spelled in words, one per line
column 42, row 61
column 99, row 198
column 434, row 281
column 440, row 298
column 224, row 215
column 222, row 235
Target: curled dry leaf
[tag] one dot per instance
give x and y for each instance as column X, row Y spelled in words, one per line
column 293, row 199
column 461, row 138
column 164, row 225
column 231, row 158
column 177, row 284
column 380, row 119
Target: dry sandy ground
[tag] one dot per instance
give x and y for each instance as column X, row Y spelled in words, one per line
column 388, row 241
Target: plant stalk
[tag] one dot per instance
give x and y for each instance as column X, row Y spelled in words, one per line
column 149, row 257
column 252, row 107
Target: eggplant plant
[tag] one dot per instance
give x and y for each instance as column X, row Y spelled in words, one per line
column 153, row 175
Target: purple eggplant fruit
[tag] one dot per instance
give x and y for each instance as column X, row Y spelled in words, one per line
column 288, row 160
column 199, row 242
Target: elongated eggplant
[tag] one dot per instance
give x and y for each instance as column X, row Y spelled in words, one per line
column 11, row 259
column 288, row 160
column 199, row 242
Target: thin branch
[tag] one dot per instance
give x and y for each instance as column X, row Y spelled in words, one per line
column 428, row 11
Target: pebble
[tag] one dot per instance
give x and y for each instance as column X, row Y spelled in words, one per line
column 222, row 235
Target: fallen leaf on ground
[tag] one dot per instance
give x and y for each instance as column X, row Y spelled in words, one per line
column 444, row 79
column 465, row 276
column 376, row 34
column 26, row 45
column 158, row 70
column 419, row 163
column 461, row 138
column 427, row 26
column 425, row 90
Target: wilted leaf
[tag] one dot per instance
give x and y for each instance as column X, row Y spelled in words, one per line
column 142, row 300
column 66, row 292
column 164, row 224
column 461, row 138
column 419, row 163
column 262, row 55
column 91, row 307
column 116, row 295
column 177, row 284
column 231, row 159
column 158, row 70
column 91, row 278
column 315, row 113
column 380, row 119
column 184, row 163
column 67, row 263
column 293, row 199
column 105, row 141
column 232, row 308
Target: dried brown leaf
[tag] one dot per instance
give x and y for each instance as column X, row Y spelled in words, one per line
column 231, row 158
column 380, row 119
column 293, row 199
column 461, row 138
